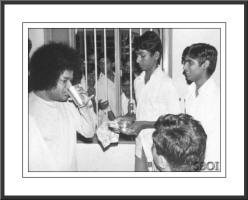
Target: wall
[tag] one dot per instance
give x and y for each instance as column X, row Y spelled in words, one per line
column 60, row 35
column 37, row 38
column 42, row 36
column 182, row 38
column 91, row 157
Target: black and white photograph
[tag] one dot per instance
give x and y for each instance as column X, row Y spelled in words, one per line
column 135, row 99
column 123, row 99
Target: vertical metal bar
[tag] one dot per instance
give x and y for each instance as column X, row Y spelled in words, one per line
column 170, row 60
column 131, row 64
column 96, row 97
column 72, row 41
column 105, row 61
column 161, row 38
column 117, row 71
column 140, row 31
column 167, row 53
column 86, row 60
column 47, row 35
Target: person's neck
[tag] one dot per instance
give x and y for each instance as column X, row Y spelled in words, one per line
column 43, row 94
column 201, row 82
column 149, row 72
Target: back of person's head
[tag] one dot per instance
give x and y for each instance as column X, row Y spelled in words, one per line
column 181, row 140
column 151, row 42
column 49, row 62
column 203, row 52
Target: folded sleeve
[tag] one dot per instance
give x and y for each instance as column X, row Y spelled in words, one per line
column 84, row 120
column 87, row 122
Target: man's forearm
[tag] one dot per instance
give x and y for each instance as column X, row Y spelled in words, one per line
column 148, row 124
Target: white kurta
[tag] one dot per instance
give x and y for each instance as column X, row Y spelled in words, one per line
column 55, row 125
column 40, row 157
column 206, row 108
column 155, row 98
column 106, row 92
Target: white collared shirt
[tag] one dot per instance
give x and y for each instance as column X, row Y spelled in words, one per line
column 206, row 108
column 155, row 98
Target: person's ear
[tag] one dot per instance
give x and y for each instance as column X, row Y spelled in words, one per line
column 163, row 164
column 206, row 64
column 156, row 55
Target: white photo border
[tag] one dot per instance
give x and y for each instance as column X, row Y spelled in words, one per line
column 15, row 184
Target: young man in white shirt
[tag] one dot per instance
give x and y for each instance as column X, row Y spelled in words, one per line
column 155, row 95
column 203, row 99
column 54, row 121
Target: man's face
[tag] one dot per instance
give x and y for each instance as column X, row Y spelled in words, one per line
column 102, row 65
column 146, row 60
column 125, row 86
column 187, row 80
column 126, row 67
column 193, row 71
column 91, row 59
column 59, row 92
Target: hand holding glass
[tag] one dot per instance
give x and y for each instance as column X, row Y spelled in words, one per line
column 79, row 95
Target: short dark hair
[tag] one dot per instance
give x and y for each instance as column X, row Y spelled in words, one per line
column 49, row 62
column 203, row 52
column 151, row 42
column 185, row 52
column 181, row 140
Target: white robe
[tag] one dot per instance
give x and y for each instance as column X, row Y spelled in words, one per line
column 40, row 157
column 54, row 126
column 155, row 98
column 106, row 92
